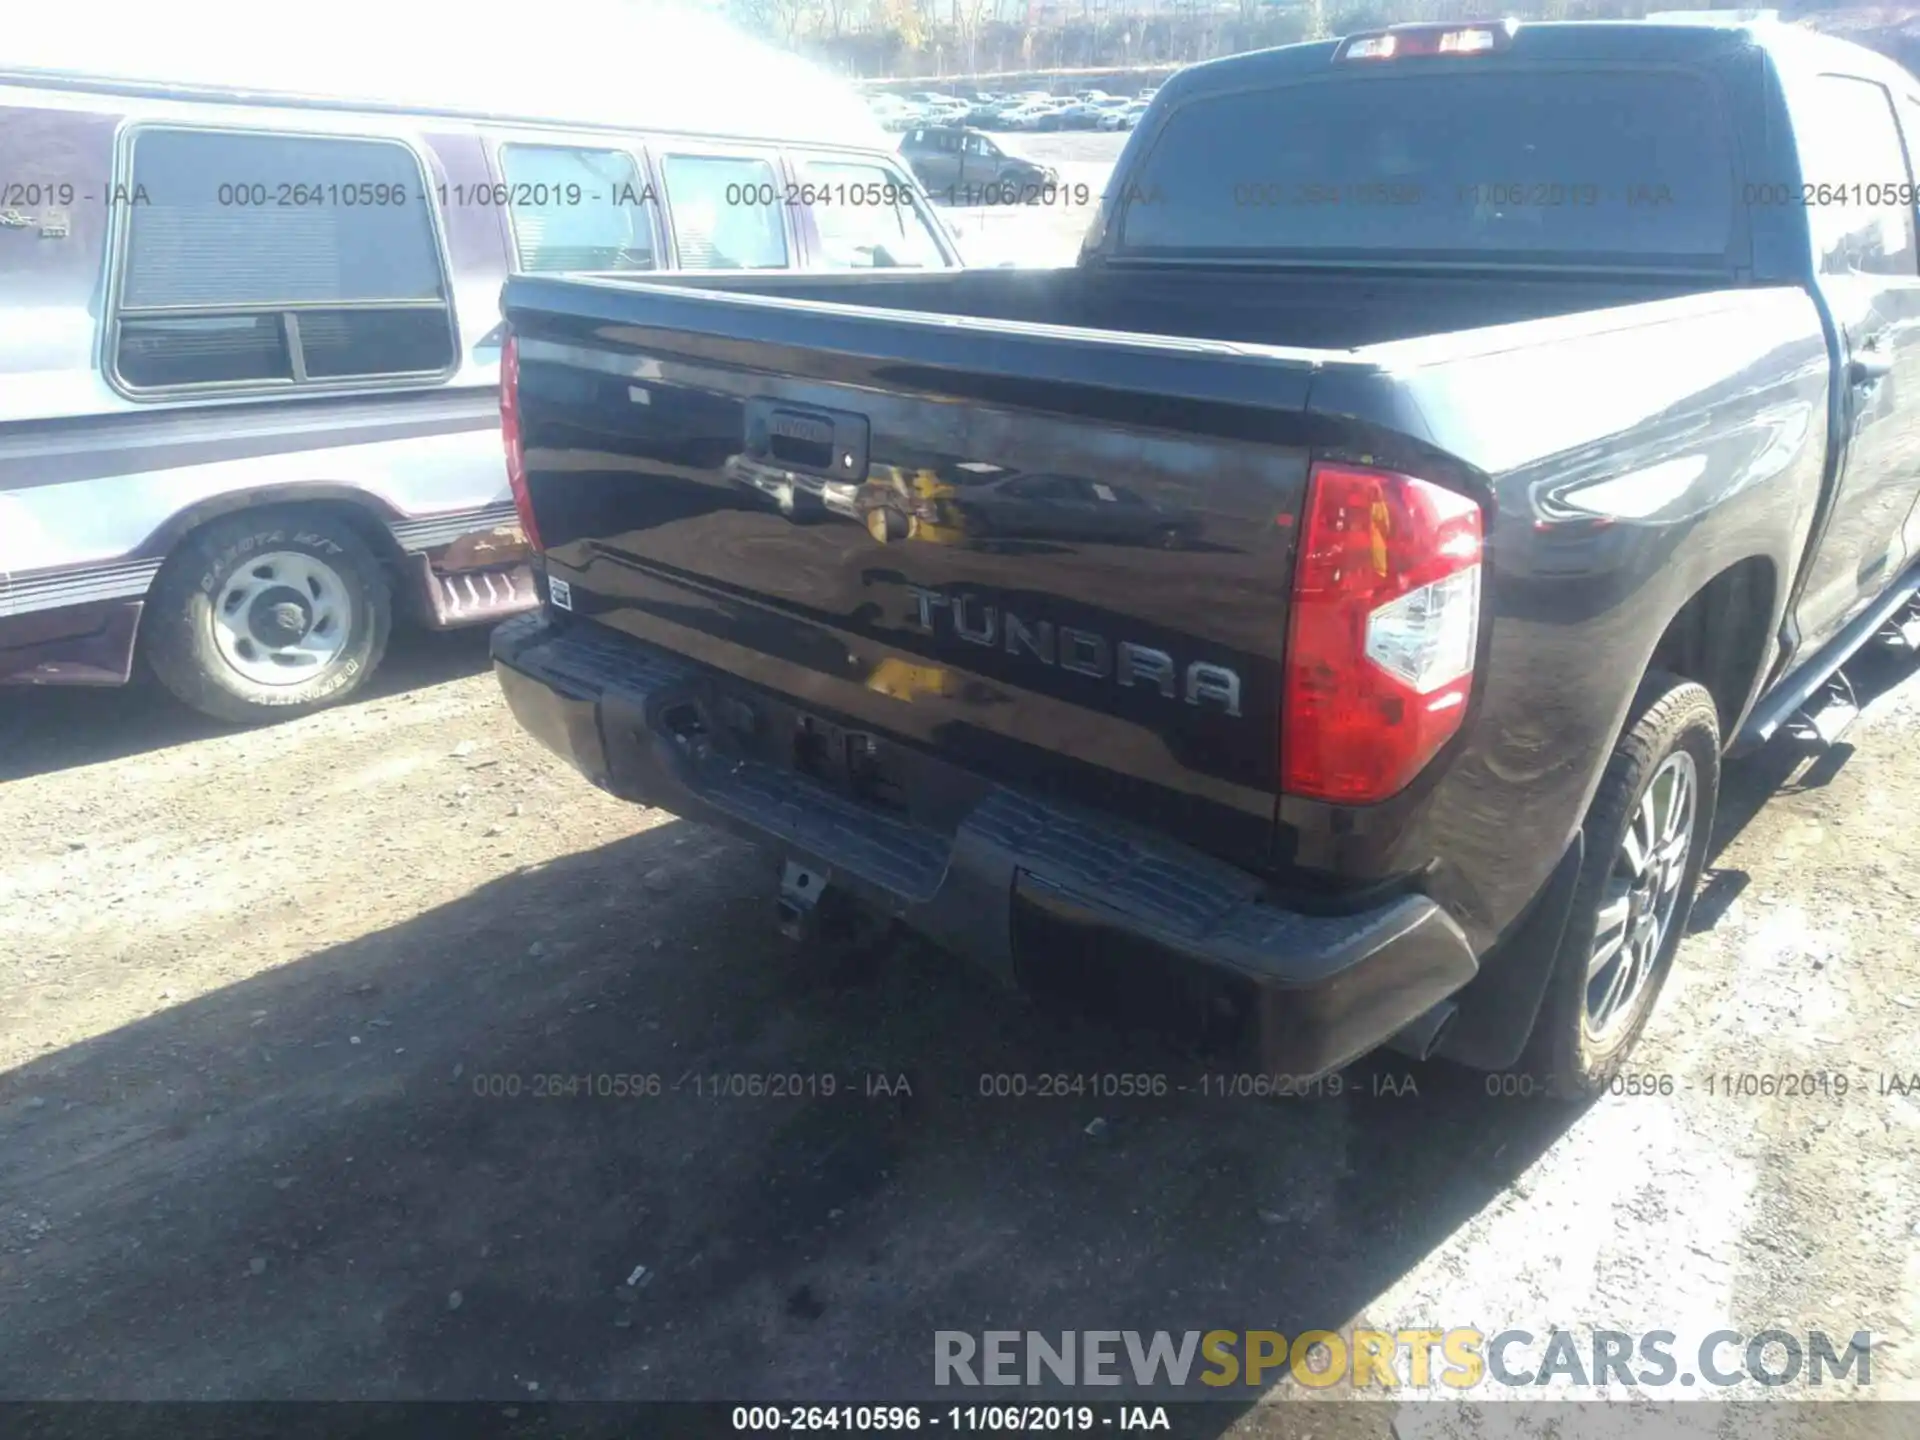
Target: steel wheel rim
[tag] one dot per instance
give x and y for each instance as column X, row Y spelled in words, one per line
column 1641, row 897
column 281, row 618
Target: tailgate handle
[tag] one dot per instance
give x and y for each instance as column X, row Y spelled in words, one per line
column 824, row 442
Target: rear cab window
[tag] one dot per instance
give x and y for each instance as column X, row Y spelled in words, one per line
column 1615, row 165
column 727, row 211
column 577, row 207
column 268, row 260
column 865, row 216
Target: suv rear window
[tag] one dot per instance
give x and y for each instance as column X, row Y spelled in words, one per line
column 1480, row 165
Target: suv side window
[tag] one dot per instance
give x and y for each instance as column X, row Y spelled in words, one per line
column 1852, row 161
column 255, row 259
column 866, row 217
column 577, row 209
column 726, row 212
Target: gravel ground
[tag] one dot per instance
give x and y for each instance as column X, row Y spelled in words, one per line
column 254, row 987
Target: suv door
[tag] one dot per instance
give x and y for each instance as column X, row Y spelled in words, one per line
column 979, row 162
column 1868, row 268
column 933, row 158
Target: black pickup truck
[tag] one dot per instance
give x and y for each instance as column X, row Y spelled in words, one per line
column 1322, row 611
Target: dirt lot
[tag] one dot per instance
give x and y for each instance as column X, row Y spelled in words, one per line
column 254, row 987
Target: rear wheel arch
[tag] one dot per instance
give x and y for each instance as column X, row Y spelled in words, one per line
column 367, row 513
column 1720, row 637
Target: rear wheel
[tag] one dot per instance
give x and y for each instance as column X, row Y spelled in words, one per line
column 1646, row 843
column 267, row 615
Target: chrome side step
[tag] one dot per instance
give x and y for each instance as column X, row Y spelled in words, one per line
column 1828, row 714
column 1902, row 631
column 1807, row 690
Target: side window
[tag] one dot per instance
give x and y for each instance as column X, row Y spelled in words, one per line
column 260, row 259
column 867, row 218
column 576, row 209
column 1855, row 169
column 726, row 212
column 977, row 145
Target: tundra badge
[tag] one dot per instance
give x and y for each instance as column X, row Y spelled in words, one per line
column 1083, row 652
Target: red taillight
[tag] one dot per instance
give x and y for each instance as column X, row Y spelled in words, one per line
column 1386, row 616
column 510, row 437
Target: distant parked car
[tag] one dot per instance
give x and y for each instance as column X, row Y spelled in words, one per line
column 893, row 113
column 966, row 167
column 1075, row 115
column 997, row 116
column 985, row 115
column 1032, row 116
column 1124, row 117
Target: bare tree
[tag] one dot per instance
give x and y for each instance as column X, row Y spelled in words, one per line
column 967, row 18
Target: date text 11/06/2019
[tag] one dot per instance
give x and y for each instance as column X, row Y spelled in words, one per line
column 883, row 1085
column 962, row 1419
column 698, row 1085
column 343, row 195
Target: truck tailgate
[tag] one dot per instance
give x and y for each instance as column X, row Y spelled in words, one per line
column 1061, row 557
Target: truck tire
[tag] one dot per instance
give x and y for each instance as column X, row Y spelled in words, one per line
column 267, row 615
column 1646, row 843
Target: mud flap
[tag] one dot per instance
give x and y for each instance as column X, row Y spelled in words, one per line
column 1498, row 1007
